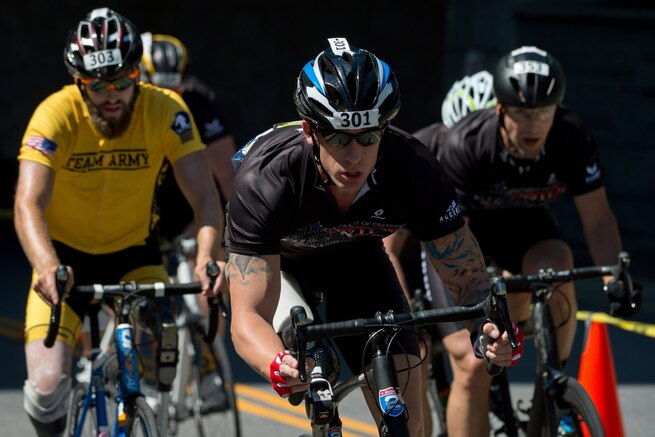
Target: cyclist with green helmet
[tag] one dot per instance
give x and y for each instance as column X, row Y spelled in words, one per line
column 467, row 400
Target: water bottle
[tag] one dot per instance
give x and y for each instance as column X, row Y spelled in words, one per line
column 127, row 358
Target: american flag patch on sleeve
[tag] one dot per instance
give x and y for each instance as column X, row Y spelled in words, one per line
column 41, row 144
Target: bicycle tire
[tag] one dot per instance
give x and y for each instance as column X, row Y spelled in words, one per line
column 220, row 420
column 141, row 420
column 576, row 404
column 75, row 410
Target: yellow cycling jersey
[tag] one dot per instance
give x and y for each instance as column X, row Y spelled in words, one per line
column 103, row 194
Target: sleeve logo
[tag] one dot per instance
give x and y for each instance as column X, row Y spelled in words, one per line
column 182, row 126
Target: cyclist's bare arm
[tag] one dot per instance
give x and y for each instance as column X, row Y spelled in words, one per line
column 254, row 294
column 33, row 193
column 220, row 153
column 194, row 178
column 393, row 244
column 600, row 227
column 460, row 265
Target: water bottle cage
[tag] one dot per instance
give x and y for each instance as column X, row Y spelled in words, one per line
column 167, row 354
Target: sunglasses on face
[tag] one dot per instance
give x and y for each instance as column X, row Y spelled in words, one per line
column 541, row 114
column 104, row 86
column 341, row 139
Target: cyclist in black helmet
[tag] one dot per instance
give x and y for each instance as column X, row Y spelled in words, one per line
column 508, row 163
column 89, row 162
column 313, row 200
column 165, row 62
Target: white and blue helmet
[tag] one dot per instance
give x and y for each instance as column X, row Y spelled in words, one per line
column 347, row 88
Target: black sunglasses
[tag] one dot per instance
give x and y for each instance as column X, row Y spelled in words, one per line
column 341, row 139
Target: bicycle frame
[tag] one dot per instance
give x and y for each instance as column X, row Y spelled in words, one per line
column 550, row 374
column 128, row 387
column 552, row 386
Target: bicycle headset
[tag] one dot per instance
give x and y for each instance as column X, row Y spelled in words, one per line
column 104, row 45
column 467, row 95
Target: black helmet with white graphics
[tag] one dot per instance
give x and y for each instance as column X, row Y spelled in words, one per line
column 103, row 45
column 529, row 77
column 347, row 88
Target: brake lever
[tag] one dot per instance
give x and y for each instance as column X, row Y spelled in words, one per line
column 212, row 272
column 61, row 278
column 499, row 314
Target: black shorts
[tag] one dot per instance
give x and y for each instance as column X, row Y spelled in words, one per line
column 505, row 235
column 355, row 284
column 107, row 268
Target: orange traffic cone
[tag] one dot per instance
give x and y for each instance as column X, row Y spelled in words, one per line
column 598, row 377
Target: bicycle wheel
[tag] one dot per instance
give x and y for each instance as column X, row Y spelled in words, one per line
column 574, row 414
column 216, row 416
column 141, row 420
column 78, row 415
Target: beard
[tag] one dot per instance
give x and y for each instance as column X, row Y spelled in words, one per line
column 111, row 127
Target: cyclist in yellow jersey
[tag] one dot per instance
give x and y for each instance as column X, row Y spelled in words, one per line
column 89, row 164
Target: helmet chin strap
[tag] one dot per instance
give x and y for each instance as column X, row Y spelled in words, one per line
column 511, row 147
column 325, row 178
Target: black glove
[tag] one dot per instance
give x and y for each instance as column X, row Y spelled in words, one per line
column 622, row 302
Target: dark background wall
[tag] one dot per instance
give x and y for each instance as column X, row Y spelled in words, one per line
column 251, row 53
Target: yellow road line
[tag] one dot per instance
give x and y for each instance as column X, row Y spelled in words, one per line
column 12, row 322
column 297, row 414
column 636, row 327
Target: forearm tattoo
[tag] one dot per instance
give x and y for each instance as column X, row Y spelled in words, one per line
column 244, row 267
column 460, row 265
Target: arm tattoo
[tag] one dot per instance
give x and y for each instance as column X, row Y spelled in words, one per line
column 243, row 267
column 460, row 265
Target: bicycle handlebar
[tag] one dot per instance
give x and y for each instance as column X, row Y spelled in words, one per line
column 529, row 282
column 300, row 331
column 132, row 289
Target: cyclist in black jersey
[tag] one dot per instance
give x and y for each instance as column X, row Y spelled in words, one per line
column 89, row 162
column 509, row 162
column 165, row 62
column 313, row 200
column 467, row 405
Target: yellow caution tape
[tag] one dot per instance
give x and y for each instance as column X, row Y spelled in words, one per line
column 646, row 329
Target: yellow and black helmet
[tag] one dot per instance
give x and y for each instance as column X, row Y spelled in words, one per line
column 165, row 60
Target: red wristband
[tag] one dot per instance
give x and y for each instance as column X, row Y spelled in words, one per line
column 277, row 380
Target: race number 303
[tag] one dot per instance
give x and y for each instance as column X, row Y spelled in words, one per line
column 102, row 58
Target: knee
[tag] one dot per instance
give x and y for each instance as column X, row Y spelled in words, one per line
column 46, row 407
column 471, row 373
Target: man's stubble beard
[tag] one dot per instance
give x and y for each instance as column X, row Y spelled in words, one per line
column 111, row 127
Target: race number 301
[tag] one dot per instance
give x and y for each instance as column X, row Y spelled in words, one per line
column 358, row 119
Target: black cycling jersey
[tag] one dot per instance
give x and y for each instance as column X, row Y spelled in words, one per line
column 432, row 136
column 487, row 177
column 174, row 210
column 280, row 205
